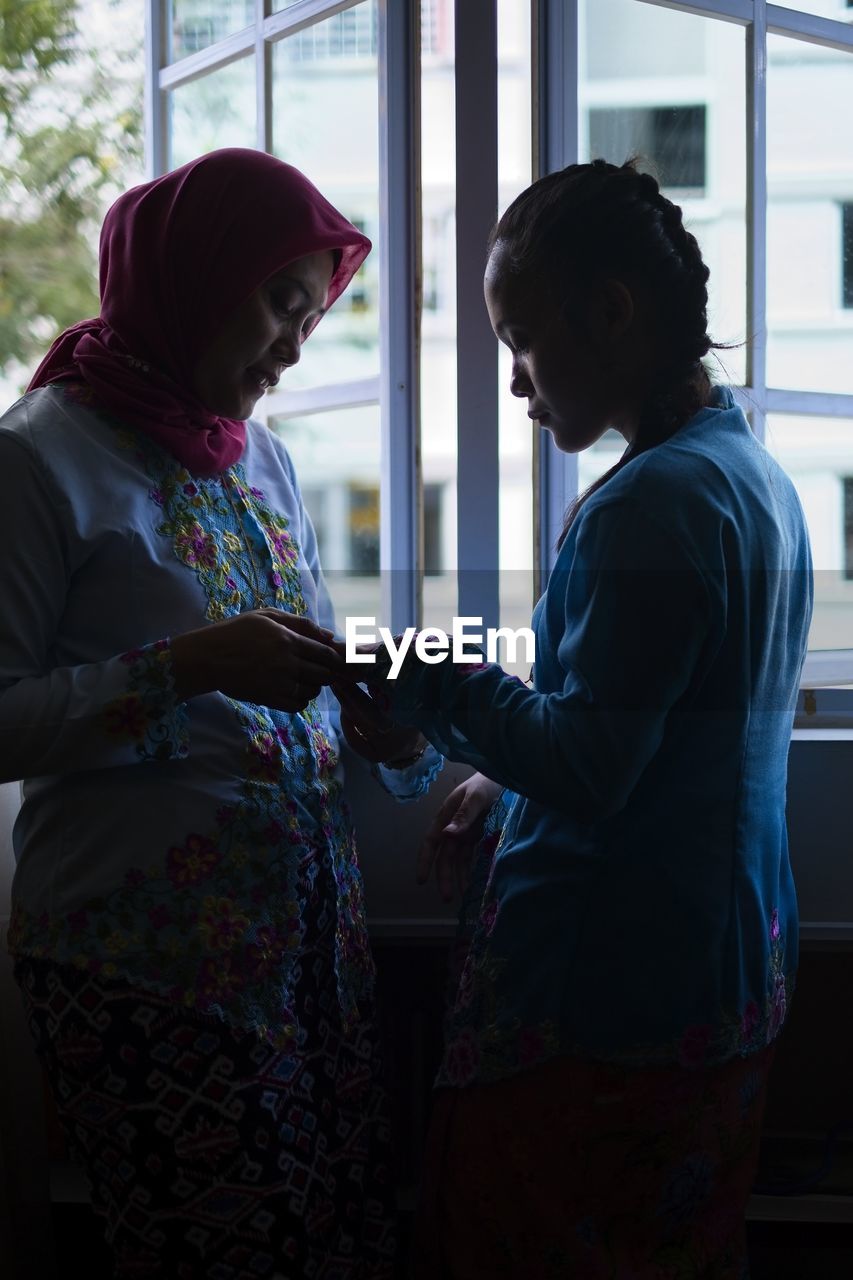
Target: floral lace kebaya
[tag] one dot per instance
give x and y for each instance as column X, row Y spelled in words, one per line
column 221, row 918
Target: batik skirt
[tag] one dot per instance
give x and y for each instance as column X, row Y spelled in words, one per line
column 586, row 1171
column 210, row 1154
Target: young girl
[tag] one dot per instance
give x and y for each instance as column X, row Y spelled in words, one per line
column 600, row 1098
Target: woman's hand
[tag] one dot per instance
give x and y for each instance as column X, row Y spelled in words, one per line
column 266, row 656
column 370, row 731
column 455, row 831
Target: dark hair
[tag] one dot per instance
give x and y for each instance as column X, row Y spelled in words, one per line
column 596, row 221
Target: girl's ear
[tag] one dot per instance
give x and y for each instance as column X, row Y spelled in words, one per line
column 611, row 312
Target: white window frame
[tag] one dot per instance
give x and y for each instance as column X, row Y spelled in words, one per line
column 821, row 708
column 557, row 122
column 395, row 388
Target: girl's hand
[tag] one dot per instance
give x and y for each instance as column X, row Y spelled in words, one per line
column 370, row 732
column 266, row 656
column 455, row 831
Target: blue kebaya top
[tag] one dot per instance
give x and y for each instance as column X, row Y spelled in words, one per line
column 639, row 906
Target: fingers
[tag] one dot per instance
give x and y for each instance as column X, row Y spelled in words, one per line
column 452, row 868
column 361, row 707
column 434, row 836
column 358, row 742
column 448, row 845
column 300, row 623
column 295, row 695
column 311, row 658
column 319, row 656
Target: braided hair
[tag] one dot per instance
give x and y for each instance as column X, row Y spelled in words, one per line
column 595, row 221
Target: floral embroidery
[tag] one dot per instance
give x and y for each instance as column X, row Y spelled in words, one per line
column 217, row 920
column 461, row 1059
column 687, row 1187
column 195, row 547
column 221, row 924
column 223, row 529
column 193, row 861
column 485, row 1042
column 79, row 393
column 125, row 717
column 147, row 713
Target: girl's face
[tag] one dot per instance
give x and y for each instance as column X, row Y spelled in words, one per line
column 263, row 337
column 566, row 372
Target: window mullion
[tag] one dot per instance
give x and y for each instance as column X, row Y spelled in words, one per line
column 756, row 124
column 263, row 79
column 828, row 32
column 355, row 394
column 478, row 474
column 193, row 66
column 304, row 14
column 556, row 116
column 155, row 106
column 733, row 10
column 400, row 550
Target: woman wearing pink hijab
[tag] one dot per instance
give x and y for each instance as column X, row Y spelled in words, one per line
column 188, row 927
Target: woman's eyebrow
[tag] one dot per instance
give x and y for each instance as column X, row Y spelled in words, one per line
column 321, row 311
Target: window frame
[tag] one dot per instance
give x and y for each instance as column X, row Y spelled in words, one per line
column 559, row 126
column 556, row 126
column 395, row 389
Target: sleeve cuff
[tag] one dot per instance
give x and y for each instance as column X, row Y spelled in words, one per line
column 147, row 712
column 414, row 782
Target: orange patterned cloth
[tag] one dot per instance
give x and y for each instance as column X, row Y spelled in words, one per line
column 593, row 1172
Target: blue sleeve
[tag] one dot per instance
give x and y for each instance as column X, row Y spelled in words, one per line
column 635, row 615
column 402, row 784
column 63, row 719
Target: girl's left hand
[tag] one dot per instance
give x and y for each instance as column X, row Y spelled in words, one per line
column 370, row 732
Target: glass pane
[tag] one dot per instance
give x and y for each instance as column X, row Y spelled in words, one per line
column 669, row 87
column 336, row 456
column 516, row 429
column 325, row 122
column 809, row 218
column 438, row 316
column 817, row 454
column 195, row 26
column 217, row 110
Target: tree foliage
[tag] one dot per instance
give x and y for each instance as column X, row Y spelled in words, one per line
column 70, row 136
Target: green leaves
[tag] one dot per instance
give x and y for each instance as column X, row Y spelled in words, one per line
column 35, row 36
column 70, row 141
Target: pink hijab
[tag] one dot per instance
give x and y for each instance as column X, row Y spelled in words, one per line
column 177, row 256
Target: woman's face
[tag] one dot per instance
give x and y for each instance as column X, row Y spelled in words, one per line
column 565, row 372
column 263, row 337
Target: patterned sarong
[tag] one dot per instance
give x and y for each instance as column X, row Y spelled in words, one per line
column 212, row 1155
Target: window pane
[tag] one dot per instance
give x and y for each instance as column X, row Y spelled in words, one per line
column 516, row 430
column 336, row 455
column 817, row 453
column 675, row 136
column 217, row 110
column 325, row 122
column 809, row 188
column 195, row 27
column 438, row 319
column 670, row 87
